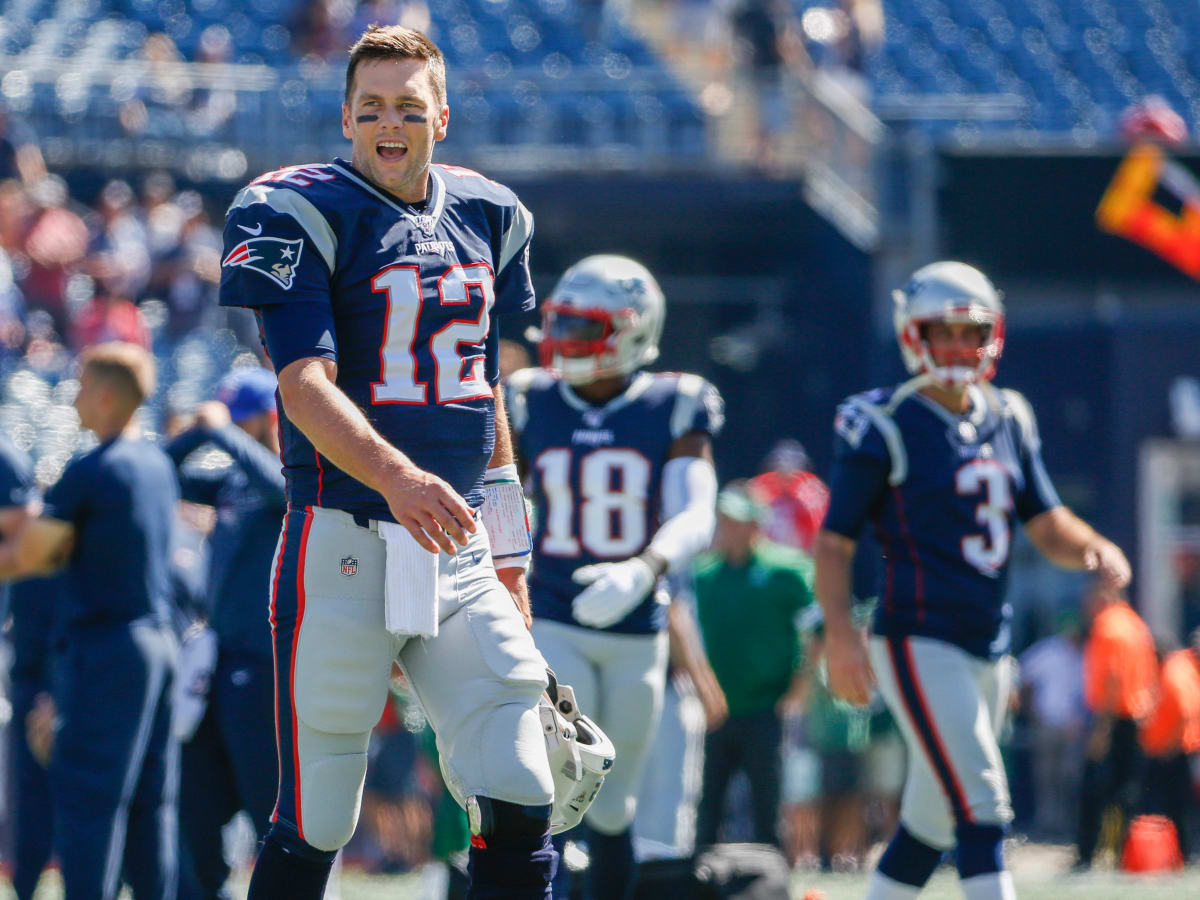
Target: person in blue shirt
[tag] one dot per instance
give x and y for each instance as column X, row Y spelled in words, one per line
column 108, row 519
column 229, row 761
column 31, row 605
column 378, row 282
column 943, row 466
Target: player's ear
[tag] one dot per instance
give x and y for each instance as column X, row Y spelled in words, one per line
column 347, row 133
column 439, row 133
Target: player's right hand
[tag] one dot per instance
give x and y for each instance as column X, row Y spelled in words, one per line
column 849, row 667
column 1107, row 560
column 432, row 511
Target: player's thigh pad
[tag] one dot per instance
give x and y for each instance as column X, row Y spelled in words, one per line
column 479, row 682
column 955, row 774
column 340, row 673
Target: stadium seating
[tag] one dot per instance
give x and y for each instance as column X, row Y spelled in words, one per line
column 545, row 73
column 1065, row 68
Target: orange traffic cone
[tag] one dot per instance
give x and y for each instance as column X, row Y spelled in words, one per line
column 1152, row 846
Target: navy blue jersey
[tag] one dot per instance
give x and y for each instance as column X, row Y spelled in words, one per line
column 16, row 489
column 403, row 299
column 943, row 492
column 596, row 472
column 121, row 499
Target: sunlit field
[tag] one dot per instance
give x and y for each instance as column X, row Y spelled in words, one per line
column 1040, row 871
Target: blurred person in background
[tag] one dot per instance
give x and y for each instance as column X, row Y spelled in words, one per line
column 229, row 756
column 1170, row 737
column 109, row 316
column 190, row 270
column 20, row 153
column 693, row 704
column 114, row 769
column 620, row 466
column 1120, row 684
column 841, row 736
column 117, row 254
column 749, row 593
column 30, row 633
column 796, row 496
column 1052, row 693
column 943, row 465
column 53, row 248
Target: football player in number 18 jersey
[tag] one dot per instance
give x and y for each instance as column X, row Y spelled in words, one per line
column 942, row 465
column 619, row 462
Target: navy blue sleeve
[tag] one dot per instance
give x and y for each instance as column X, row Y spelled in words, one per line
column 292, row 333
column 270, row 259
column 16, row 476
column 1038, row 493
column 67, row 499
column 196, row 485
column 855, row 487
column 261, row 467
column 861, row 466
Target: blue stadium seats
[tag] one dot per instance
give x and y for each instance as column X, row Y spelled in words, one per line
column 594, row 82
column 1078, row 63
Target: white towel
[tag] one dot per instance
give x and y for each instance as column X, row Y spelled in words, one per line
column 410, row 594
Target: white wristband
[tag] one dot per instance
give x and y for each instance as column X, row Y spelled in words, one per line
column 506, row 518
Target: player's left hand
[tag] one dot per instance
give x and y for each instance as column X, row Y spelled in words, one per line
column 1106, row 560
column 614, row 589
column 514, row 579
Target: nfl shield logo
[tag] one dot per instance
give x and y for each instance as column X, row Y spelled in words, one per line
column 349, row 566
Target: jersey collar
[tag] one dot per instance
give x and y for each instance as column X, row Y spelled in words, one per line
column 426, row 221
column 975, row 415
column 638, row 386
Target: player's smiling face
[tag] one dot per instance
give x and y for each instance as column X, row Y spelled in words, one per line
column 954, row 343
column 394, row 119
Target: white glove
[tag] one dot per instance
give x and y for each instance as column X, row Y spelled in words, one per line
column 614, row 590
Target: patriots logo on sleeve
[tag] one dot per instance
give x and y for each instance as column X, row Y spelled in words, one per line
column 851, row 423
column 274, row 257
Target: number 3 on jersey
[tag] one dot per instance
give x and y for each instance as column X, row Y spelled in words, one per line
column 613, row 487
column 987, row 553
column 398, row 381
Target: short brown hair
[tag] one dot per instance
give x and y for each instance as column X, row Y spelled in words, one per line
column 398, row 42
column 126, row 367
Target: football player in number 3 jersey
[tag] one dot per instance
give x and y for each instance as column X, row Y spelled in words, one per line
column 620, row 465
column 942, row 465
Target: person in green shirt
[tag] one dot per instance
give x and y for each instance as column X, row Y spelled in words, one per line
column 748, row 594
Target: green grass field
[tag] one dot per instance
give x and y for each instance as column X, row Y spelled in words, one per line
column 1039, row 871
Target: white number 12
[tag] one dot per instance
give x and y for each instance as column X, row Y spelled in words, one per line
column 398, row 381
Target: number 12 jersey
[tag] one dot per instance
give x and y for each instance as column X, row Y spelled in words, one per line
column 402, row 298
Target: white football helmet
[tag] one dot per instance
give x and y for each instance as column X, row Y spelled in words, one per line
column 580, row 755
column 604, row 317
column 948, row 291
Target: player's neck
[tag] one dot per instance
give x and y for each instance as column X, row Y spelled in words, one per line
column 110, row 429
column 955, row 399
column 602, row 390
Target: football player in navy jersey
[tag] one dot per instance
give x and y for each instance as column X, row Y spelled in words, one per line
column 620, row 466
column 377, row 282
column 942, row 465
